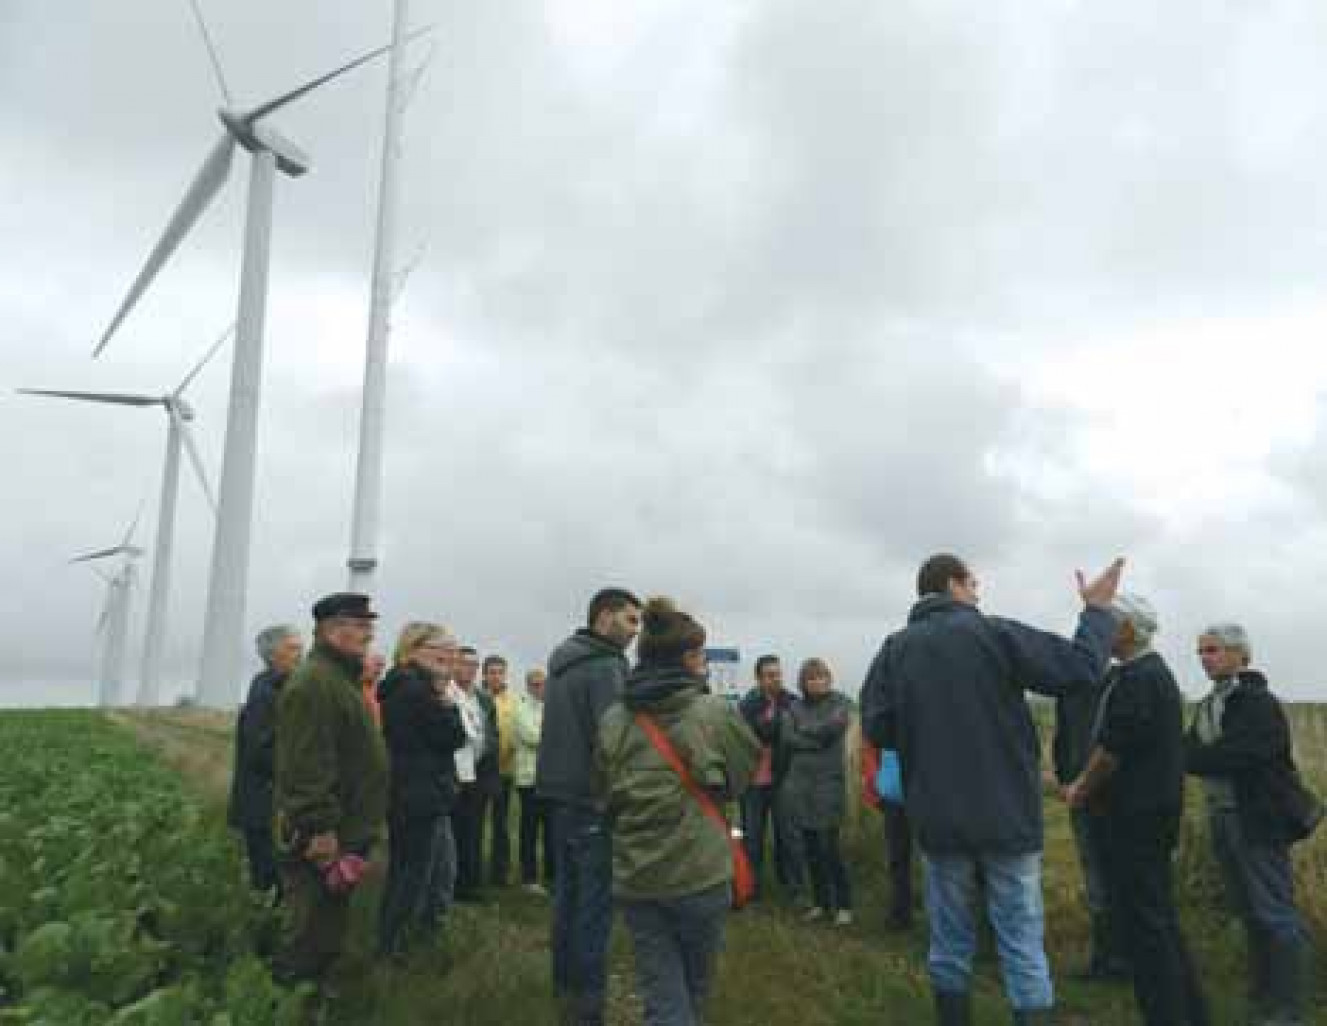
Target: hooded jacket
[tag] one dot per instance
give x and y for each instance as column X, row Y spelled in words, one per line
column 585, row 676
column 422, row 734
column 664, row 846
column 1254, row 753
column 947, row 692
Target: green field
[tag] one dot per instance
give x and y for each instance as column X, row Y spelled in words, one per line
column 119, row 887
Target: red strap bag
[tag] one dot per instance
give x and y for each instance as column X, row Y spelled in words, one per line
column 744, row 880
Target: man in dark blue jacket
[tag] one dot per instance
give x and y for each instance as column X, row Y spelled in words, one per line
column 585, row 676
column 947, row 693
column 251, row 786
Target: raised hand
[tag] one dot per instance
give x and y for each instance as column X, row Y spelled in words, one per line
column 1101, row 591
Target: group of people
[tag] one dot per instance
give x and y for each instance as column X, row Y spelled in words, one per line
column 435, row 745
column 624, row 773
column 947, row 694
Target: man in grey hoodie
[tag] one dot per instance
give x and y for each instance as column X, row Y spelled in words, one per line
column 585, row 677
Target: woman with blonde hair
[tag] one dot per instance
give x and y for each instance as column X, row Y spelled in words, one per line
column 423, row 730
column 811, row 732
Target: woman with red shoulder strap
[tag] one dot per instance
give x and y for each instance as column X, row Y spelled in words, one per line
column 670, row 756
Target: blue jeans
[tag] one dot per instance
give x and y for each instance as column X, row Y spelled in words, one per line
column 1259, row 881
column 1014, row 905
column 676, row 943
column 582, row 908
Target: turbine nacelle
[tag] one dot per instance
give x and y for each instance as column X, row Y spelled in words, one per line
column 256, row 137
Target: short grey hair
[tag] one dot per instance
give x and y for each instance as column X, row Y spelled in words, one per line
column 270, row 637
column 1231, row 635
column 1138, row 613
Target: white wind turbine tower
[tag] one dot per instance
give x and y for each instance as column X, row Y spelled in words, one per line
column 223, row 629
column 113, row 624
column 364, row 524
column 178, row 434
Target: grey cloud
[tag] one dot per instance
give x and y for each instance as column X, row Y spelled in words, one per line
column 714, row 316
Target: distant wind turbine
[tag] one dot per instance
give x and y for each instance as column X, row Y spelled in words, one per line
column 223, row 630
column 179, row 414
column 113, row 623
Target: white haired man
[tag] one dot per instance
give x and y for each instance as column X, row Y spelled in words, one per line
column 1134, row 785
column 250, row 812
column 1240, row 745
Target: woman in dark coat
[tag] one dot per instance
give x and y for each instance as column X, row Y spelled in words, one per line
column 422, row 729
column 814, row 791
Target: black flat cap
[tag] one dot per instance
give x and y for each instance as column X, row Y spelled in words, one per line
column 343, row 603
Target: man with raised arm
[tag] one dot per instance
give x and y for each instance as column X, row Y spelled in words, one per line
column 948, row 694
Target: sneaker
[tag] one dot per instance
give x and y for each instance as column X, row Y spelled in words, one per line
column 535, row 889
column 844, row 918
column 814, row 914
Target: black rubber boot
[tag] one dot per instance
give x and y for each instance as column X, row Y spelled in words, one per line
column 953, row 1009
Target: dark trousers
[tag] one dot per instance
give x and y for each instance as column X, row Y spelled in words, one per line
column 468, row 828
column 1259, row 883
column 762, row 817
column 260, row 849
column 409, row 906
column 536, row 834
column 582, row 910
column 499, row 864
column 829, row 876
column 1136, row 859
column 898, row 856
column 315, row 924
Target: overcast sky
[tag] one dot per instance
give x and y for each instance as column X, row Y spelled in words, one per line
column 756, row 304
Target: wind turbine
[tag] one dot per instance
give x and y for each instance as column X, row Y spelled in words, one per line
column 113, row 623
column 224, row 627
column 179, row 414
column 364, row 522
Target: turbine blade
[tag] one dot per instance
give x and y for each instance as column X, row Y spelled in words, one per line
column 126, row 546
column 271, row 106
column 207, row 358
column 195, row 458
column 212, row 52
column 99, row 554
column 202, row 190
column 117, row 398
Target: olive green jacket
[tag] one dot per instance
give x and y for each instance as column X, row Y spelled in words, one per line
column 331, row 764
column 663, row 844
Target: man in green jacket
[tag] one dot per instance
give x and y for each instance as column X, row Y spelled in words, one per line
column 331, row 785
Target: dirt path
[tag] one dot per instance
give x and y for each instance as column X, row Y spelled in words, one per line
column 196, row 745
